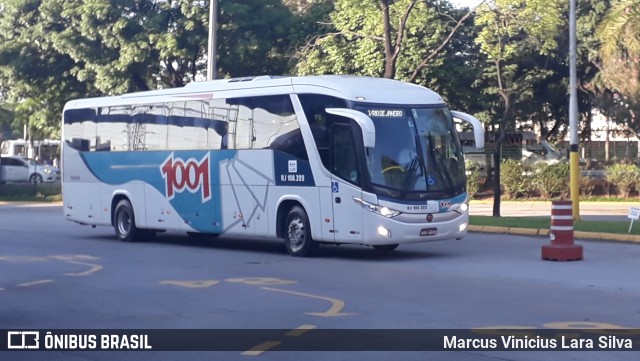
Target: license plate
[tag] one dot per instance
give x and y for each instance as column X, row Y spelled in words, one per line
column 428, row 232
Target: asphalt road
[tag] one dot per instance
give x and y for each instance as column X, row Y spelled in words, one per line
column 57, row 274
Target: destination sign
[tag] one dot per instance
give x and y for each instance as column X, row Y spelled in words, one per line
column 386, row 113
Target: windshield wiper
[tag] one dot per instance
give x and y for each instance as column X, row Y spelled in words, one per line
column 417, row 163
column 410, row 175
column 441, row 163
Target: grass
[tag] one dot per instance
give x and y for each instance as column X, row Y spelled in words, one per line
column 544, row 222
column 29, row 192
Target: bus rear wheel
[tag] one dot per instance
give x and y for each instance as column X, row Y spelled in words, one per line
column 297, row 234
column 124, row 222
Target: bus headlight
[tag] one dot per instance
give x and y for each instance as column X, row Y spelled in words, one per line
column 460, row 207
column 384, row 232
column 381, row 210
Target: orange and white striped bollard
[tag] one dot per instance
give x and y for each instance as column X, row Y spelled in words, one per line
column 562, row 247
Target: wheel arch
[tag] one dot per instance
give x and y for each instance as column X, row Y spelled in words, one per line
column 114, row 202
column 284, row 207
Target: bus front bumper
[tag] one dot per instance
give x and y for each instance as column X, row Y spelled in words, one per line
column 382, row 231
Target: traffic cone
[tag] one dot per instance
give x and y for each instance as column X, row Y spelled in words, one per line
column 561, row 234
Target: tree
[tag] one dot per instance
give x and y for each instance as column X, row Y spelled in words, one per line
column 180, row 36
column 590, row 88
column 52, row 51
column 256, row 37
column 125, row 46
column 311, row 19
column 403, row 39
column 620, row 48
column 619, row 34
column 36, row 78
column 516, row 36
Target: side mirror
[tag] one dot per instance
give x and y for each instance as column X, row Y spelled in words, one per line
column 478, row 129
column 363, row 120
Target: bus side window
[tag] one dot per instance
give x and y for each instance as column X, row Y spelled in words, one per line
column 344, row 162
column 275, row 126
column 80, row 144
column 314, row 106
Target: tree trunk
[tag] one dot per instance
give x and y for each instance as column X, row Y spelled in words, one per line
column 389, row 61
column 497, row 155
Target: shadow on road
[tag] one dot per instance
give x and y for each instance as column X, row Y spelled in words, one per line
column 276, row 247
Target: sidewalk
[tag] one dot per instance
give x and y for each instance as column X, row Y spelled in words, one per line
column 589, row 211
column 16, row 204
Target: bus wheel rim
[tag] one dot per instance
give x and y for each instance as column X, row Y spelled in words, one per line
column 296, row 234
column 124, row 223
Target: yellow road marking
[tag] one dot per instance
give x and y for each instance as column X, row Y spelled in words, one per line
column 583, row 325
column 34, row 283
column 261, row 348
column 301, row 330
column 78, row 259
column 94, row 268
column 73, row 259
column 191, row 284
column 266, row 346
column 336, row 304
column 261, row 281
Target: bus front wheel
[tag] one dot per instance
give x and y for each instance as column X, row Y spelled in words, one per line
column 297, row 235
column 125, row 222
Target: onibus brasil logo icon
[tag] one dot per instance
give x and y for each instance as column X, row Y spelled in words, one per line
column 23, row 340
column 191, row 175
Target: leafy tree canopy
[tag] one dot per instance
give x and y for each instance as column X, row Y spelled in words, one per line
column 355, row 44
column 619, row 33
column 52, row 51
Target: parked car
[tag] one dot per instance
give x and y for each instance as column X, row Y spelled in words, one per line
column 542, row 152
column 21, row 169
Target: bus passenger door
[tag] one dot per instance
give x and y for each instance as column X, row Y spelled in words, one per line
column 347, row 214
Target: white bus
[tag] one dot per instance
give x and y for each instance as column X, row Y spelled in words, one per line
column 326, row 159
column 46, row 150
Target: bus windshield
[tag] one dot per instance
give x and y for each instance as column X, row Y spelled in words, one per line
column 417, row 150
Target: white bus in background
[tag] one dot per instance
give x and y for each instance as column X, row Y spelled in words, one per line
column 14, row 147
column 524, row 146
column 326, row 159
column 46, row 151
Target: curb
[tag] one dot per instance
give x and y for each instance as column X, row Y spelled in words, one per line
column 631, row 238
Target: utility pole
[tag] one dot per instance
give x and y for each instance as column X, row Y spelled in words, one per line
column 212, row 52
column 574, row 160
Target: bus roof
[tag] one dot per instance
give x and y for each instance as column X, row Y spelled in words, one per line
column 356, row 88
